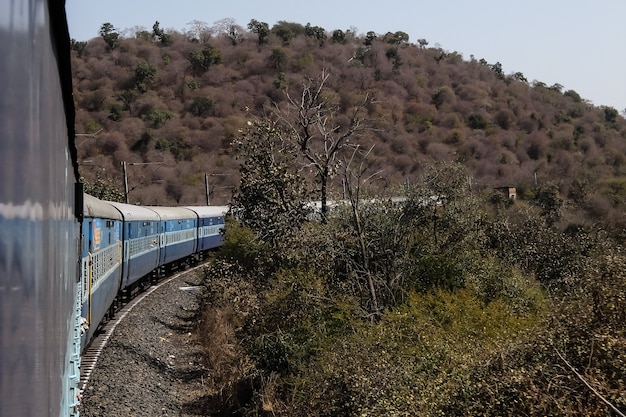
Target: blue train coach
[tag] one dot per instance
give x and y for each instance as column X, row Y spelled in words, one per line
column 141, row 242
column 101, row 270
column 210, row 226
column 177, row 233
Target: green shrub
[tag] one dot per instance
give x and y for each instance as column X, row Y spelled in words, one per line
column 411, row 362
column 436, row 272
column 240, row 245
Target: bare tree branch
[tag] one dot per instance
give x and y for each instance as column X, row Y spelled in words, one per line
column 317, row 131
column 604, row 400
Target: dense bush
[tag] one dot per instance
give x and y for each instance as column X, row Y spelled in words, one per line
column 471, row 332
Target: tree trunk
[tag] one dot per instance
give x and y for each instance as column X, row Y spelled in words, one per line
column 366, row 259
column 324, row 191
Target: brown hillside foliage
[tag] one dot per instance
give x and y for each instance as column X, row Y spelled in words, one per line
column 174, row 109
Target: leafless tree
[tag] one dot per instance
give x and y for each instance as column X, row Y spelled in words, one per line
column 353, row 182
column 321, row 129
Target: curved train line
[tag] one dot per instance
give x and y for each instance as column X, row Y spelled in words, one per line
column 94, row 350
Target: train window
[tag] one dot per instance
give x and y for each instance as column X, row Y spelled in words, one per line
column 110, row 223
column 147, row 223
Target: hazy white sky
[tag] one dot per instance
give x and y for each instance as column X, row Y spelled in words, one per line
column 580, row 44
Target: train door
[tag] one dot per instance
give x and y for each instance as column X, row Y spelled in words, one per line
column 127, row 239
column 162, row 242
column 94, row 241
column 85, row 262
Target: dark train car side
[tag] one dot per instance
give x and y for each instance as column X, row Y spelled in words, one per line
column 39, row 227
column 210, row 225
column 177, row 234
column 140, row 235
column 101, row 271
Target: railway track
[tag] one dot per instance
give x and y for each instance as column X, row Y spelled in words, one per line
column 92, row 353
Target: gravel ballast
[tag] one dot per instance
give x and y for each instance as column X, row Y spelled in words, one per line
column 152, row 364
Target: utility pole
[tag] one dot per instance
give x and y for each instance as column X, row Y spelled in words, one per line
column 126, row 190
column 125, row 182
column 206, row 186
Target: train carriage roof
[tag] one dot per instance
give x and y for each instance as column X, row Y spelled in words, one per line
column 174, row 213
column 135, row 213
column 209, row 211
column 95, row 208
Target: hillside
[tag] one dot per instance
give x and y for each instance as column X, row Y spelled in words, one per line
column 464, row 304
column 172, row 103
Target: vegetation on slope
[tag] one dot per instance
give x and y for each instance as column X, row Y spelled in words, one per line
column 451, row 301
column 176, row 102
column 464, row 308
column 444, row 303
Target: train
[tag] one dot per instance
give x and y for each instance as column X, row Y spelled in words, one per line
column 65, row 256
column 125, row 247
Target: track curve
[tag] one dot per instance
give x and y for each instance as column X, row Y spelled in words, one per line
column 91, row 354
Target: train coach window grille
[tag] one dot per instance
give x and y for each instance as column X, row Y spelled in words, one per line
column 95, row 268
column 212, row 230
column 181, row 236
column 172, row 238
column 142, row 245
column 134, row 246
column 104, row 263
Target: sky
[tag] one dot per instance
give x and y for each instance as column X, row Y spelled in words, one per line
column 580, row 44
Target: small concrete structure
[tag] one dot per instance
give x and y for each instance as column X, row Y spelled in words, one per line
column 510, row 192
